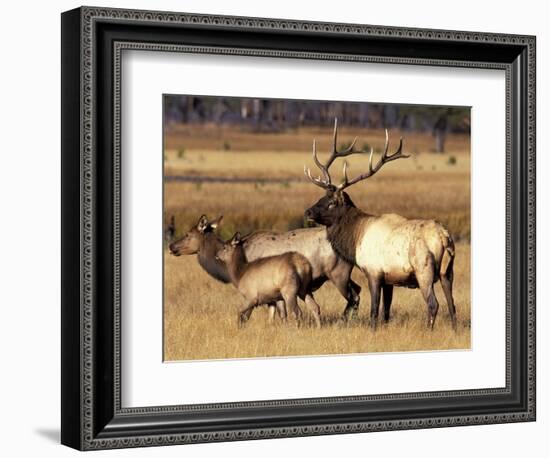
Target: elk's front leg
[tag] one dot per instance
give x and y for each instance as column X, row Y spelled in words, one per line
column 281, row 309
column 340, row 276
column 375, row 285
column 353, row 299
column 244, row 314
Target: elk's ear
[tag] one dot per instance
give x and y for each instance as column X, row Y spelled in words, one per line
column 236, row 240
column 214, row 224
column 202, row 224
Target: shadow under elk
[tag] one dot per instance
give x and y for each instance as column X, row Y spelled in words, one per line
column 389, row 249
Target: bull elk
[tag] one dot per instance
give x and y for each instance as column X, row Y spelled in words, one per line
column 283, row 277
column 312, row 243
column 389, row 249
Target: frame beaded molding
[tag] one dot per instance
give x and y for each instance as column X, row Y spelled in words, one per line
column 122, row 46
column 89, row 16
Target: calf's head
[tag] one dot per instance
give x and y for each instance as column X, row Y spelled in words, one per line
column 190, row 242
column 226, row 252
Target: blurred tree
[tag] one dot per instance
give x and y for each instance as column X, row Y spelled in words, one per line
column 440, row 132
column 271, row 115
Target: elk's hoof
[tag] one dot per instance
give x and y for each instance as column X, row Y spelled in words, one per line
column 241, row 322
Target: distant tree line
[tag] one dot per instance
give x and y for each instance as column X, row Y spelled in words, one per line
column 272, row 115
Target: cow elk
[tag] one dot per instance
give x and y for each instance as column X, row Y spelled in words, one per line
column 389, row 249
column 274, row 278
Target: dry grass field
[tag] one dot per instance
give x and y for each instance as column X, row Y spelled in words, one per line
column 200, row 314
column 200, row 320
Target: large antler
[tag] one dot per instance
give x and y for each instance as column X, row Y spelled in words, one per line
column 326, row 182
column 385, row 158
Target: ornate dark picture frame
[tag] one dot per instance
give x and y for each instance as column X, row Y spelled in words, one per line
column 92, row 42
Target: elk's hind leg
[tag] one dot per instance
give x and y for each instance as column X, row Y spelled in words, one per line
column 387, row 297
column 314, row 308
column 423, row 264
column 447, row 285
column 433, row 305
column 290, row 297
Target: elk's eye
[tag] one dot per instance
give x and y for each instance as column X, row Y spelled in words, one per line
column 331, row 205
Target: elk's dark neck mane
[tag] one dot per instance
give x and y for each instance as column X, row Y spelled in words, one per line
column 345, row 235
column 237, row 265
column 206, row 256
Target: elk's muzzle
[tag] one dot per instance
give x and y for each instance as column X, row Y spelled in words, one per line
column 308, row 215
column 173, row 249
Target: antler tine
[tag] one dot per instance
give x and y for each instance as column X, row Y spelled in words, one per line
column 384, row 158
column 386, row 144
column 345, row 173
column 335, row 153
column 351, row 148
column 370, row 159
column 327, row 182
column 390, row 157
column 315, row 181
column 335, row 136
column 323, row 168
column 399, row 148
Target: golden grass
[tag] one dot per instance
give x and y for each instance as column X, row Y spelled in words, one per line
column 200, row 319
column 290, row 164
column 424, row 187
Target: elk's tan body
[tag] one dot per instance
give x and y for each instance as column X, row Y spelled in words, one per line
column 311, row 243
column 396, row 248
column 283, row 277
column 264, row 280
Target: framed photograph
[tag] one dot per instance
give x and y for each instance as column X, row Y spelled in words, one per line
column 276, row 228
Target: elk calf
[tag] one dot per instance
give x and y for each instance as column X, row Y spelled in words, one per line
column 282, row 277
